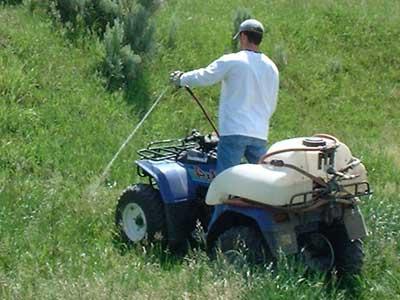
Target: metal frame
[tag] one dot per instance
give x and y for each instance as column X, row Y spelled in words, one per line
column 315, row 193
column 166, row 149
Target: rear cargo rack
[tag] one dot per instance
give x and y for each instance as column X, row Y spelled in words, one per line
column 302, row 198
column 357, row 192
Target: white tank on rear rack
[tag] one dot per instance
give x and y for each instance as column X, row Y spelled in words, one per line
column 287, row 173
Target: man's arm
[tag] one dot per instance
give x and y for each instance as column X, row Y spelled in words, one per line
column 210, row 75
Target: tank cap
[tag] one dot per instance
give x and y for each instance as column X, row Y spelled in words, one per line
column 314, row 142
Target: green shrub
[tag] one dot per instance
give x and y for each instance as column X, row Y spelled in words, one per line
column 121, row 64
column 39, row 5
column 132, row 36
column 69, row 10
column 99, row 13
column 92, row 15
column 139, row 31
column 150, row 5
column 11, row 2
column 131, row 64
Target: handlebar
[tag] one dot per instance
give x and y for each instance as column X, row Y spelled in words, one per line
column 207, row 142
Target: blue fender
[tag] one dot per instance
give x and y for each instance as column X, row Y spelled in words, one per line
column 277, row 235
column 171, row 177
column 261, row 217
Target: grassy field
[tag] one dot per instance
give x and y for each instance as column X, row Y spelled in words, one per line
column 340, row 74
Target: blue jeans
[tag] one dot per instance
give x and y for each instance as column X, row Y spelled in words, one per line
column 231, row 149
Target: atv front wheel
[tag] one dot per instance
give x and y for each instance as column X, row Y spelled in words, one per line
column 140, row 215
column 242, row 244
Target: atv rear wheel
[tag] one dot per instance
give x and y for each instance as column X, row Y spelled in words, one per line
column 140, row 215
column 242, row 244
column 316, row 252
column 349, row 254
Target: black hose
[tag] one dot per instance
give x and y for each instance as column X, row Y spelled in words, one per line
column 202, row 108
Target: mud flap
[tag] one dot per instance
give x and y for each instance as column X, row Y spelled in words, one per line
column 354, row 223
column 282, row 239
column 181, row 220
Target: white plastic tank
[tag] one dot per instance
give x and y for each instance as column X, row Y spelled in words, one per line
column 276, row 185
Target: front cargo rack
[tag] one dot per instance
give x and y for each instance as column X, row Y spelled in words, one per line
column 166, row 149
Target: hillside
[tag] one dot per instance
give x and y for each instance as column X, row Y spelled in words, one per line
column 59, row 127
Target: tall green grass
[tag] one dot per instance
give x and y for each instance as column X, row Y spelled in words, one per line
column 339, row 63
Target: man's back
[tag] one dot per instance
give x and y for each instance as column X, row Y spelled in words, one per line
column 250, row 82
column 248, row 95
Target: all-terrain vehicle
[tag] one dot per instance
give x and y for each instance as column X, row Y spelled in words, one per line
column 171, row 202
column 301, row 199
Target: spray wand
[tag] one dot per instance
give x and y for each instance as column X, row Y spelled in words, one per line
column 108, row 167
column 132, row 134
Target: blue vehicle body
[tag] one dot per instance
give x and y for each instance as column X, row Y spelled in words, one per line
column 183, row 183
column 279, row 233
column 226, row 216
column 177, row 181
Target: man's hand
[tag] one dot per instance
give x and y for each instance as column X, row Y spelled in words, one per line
column 175, row 78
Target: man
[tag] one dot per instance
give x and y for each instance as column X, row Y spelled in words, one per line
column 250, row 83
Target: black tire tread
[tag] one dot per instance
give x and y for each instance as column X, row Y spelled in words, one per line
column 349, row 254
column 245, row 239
column 149, row 199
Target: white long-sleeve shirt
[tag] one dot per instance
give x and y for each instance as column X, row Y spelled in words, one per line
column 250, row 83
